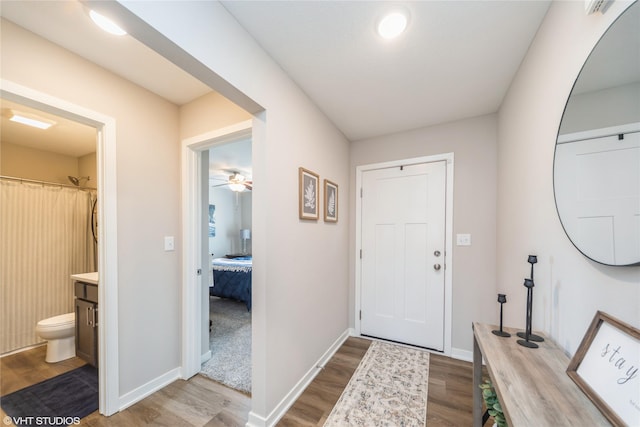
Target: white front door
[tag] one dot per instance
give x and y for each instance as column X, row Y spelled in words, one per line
column 597, row 187
column 403, row 254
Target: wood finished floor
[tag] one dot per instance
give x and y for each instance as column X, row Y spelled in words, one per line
column 203, row 402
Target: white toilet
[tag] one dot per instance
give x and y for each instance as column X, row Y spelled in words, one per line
column 59, row 331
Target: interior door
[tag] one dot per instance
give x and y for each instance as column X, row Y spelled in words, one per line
column 403, row 259
column 597, row 186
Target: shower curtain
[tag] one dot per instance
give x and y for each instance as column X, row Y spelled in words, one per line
column 45, row 236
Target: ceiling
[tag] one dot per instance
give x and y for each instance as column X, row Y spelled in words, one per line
column 65, row 137
column 456, row 59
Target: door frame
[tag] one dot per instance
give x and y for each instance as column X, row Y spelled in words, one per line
column 108, row 372
column 448, row 260
column 192, row 233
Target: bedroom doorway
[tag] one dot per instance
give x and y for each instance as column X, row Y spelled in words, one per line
column 202, row 222
column 229, row 243
column 404, row 284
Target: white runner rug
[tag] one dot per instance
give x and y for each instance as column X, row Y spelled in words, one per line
column 389, row 388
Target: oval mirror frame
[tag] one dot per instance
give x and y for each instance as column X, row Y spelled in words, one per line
column 599, row 207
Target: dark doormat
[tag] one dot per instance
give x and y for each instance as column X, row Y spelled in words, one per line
column 58, row 401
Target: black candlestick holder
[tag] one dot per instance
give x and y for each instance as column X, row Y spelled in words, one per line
column 502, row 298
column 527, row 335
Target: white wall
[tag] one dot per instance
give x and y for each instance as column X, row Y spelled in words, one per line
column 473, row 142
column 148, row 197
column 569, row 288
column 228, row 221
column 300, row 277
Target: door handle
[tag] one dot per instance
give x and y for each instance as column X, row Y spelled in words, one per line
column 89, row 317
column 436, row 267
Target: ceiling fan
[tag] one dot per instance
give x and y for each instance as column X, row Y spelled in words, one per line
column 237, row 183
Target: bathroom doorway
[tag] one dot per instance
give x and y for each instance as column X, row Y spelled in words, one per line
column 102, row 128
column 49, row 191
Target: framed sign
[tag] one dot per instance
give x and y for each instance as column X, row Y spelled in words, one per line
column 606, row 368
column 308, row 194
column 330, row 201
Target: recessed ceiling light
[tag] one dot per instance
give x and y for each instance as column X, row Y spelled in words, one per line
column 392, row 25
column 106, row 24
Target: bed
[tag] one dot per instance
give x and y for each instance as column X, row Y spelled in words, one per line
column 232, row 279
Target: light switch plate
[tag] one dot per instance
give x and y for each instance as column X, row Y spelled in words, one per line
column 169, row 243
column 463, row 239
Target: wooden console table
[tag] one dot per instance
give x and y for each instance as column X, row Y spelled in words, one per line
column 532, row 384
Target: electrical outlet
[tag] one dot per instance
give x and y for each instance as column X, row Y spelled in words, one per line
column 463, row 239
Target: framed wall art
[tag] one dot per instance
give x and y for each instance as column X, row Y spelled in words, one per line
column 330, row 201
column 308, row 194
column 606, row 368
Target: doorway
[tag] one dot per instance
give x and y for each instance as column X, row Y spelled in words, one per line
column 196, row 249
column 403, row 227
column 229, row 170
column 107, row 235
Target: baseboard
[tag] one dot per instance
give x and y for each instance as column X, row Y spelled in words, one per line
column 278, row 412
column 205, row 357
column 149, row 388
column 255, row 420
column 460, row 354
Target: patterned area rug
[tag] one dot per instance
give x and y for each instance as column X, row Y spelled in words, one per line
column 389, row 388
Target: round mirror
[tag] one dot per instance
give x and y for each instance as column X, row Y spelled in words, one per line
column 596, row 171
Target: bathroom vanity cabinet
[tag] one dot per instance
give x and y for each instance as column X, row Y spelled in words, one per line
column 86, row 308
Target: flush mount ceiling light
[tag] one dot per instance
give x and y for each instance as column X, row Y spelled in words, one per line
column 30, row 120
column 392, row 25
column 106, row 24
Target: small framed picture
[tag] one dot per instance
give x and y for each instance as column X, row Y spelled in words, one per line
column 330, row 201
column 605, row 367
column 308, row 194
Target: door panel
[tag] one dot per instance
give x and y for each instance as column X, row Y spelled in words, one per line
column 597, row 187
column 403, row 225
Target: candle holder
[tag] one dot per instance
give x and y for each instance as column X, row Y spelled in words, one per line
column 502, row 298
column 527, row 341
column 529, row 284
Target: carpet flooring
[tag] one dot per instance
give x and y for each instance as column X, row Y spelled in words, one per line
column 230, row 344
column 388, row 388
column 58, row 401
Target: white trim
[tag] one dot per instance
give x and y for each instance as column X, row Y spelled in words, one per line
column 205, row 357
column 598, row 133
column 448, row 272
column 109, row 378
column 191, row 232
column 460, row 354
column 287, row 401
column 139, row 393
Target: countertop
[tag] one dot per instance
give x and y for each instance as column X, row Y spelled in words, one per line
column 86, row 277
